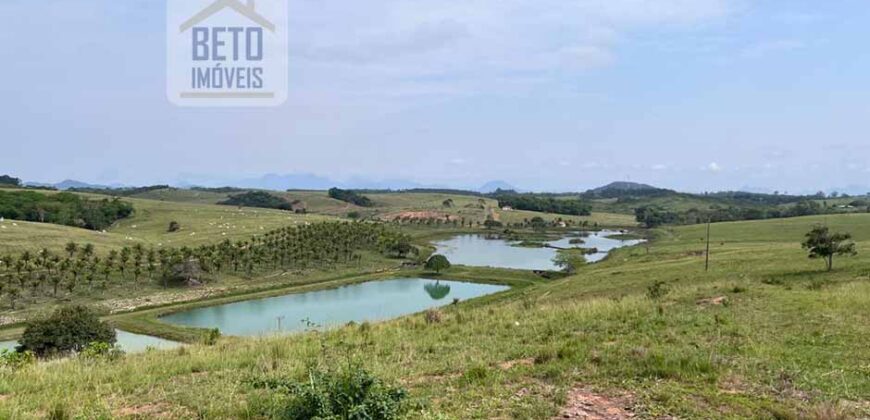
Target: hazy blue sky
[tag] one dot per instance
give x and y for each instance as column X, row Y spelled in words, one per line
column 544, row 94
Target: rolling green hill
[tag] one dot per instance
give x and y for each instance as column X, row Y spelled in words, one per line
column 200, row 223
column 766, row 333
column 389, row 205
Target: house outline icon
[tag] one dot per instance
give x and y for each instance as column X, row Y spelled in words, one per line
column 248, row 11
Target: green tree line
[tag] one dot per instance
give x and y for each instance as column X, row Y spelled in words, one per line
column 352, row 197
column 62, row 209
column 261, row 199
column 653, row 216
column 532, row 202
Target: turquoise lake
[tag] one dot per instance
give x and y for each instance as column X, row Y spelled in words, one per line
column 479, row 251
column 371, row 301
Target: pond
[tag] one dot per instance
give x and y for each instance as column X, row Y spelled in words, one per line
column 372, row 301
column 477, row 250
column 129, row 342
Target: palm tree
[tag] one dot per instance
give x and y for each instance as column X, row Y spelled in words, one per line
column 55, row 282
column 71, row 248
column 88, row 251
column 37, row 283
column 152, row 260
column 107, row 270
column 45, row 254
column 13, row 293
column 124, row 258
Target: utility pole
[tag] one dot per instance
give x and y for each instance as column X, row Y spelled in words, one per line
column 707, row 254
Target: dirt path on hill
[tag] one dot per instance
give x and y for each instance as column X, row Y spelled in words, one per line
column 582, row 403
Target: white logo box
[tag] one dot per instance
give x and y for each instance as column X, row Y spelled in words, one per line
column 226, row 52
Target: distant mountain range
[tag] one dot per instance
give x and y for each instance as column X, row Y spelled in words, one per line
column 492, row 186
column 304, row 181
column 71, row 183
column 315, row 182
column 282, row 182
column 286, row 182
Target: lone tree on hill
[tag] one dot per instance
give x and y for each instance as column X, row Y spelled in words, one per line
column 437, row 263
column 821, row 243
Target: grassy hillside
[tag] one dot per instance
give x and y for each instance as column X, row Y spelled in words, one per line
column 389, row 205
column 200, row 224
column 183, row 196
column 17, row 236
column 476, row 209
column 765, row 334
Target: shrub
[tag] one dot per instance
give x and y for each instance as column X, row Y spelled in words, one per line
column 492, row 224
column 58, row 411
column 433, row 316
column 348, row 393
column 211, row 337
column 184, row 273
column 16, row 360
column 101, row 351
column 475, row 375
column 68, row 329
column 657, row 290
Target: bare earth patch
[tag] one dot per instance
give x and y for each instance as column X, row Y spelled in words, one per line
column 429, row 379
column 125, row 305
column 142, row 411
column 8, row 320
column 510, row 364
column 719, row 300
column 420, row 215
column 582, row 403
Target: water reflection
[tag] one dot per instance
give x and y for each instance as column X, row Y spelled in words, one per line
column 437, row 291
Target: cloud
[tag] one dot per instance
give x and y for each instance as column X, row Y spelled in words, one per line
column 452, row 46
column 659, row 167
column 714, row 167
